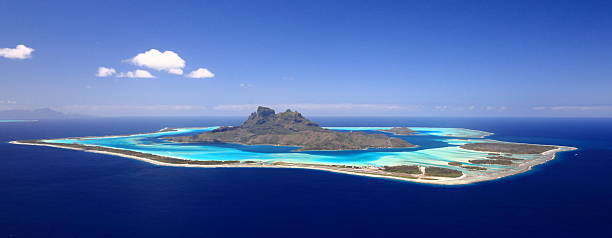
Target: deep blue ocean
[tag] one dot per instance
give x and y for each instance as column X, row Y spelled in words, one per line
column 50, row 192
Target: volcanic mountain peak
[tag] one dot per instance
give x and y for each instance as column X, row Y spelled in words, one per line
column 290, row 128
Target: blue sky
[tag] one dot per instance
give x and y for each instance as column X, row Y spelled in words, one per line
column 395, row 58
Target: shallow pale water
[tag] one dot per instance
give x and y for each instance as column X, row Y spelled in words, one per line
column 446, row 132
column 437, row 147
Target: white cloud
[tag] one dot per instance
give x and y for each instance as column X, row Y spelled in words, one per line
column 441, row 108
column 176, row 71
column 133, row 107
column 135, row 110
column 573, row 108
column 8, row 104
column 19, row 52
column 154, row 59
column 105, row 72
column 346, row 106
column 168, row 61
column 496, row 108
column 201, row 73
column 139, row 73
column 452, row 108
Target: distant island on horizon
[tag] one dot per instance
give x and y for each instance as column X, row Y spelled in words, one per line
column 288, row 140
column 37, row 114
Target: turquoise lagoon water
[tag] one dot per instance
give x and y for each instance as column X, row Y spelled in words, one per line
column 437, row 147
column 447, row 132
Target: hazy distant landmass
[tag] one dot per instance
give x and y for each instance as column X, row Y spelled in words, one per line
column 266, row 127
column 36, row 114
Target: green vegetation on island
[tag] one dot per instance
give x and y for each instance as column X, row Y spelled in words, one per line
column 403, row 131
column 504, row 158
column 265, row 127
column 492, row 161
column 511, row 148
column 458, row 164
column 442, row 172
column 474, row 167
column 429, row 171
column 407, row 169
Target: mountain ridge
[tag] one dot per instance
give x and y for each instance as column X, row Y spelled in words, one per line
column 291, row 128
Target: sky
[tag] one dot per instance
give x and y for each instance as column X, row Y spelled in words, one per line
column 323, row 58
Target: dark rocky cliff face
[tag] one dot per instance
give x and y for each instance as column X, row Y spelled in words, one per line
column 265, row 120
column 266, row 127
column 261, row 116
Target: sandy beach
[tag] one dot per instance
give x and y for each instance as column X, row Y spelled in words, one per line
column 360, row 171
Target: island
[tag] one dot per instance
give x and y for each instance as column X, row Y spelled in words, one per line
column 266, row 127
column 267, row 139
column 404, row 131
